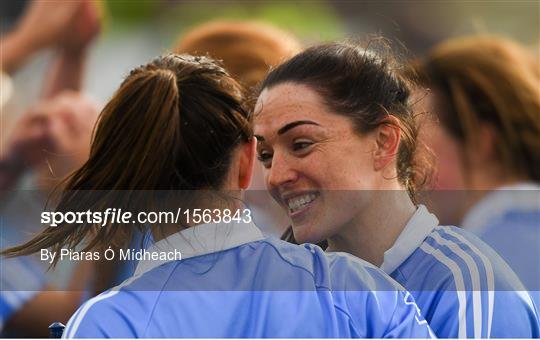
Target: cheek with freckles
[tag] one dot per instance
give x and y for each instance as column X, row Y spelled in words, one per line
column 344, row 188
column 329, row 214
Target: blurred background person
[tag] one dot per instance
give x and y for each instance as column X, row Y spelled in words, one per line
column 484, row 98
column 46, row 143
column 247, row 49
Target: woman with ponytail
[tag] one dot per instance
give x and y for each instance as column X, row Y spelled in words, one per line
column 176, row 136
column 337, row 139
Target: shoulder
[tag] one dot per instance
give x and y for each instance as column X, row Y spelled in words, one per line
column 119, row 312
column 331, row 270
column 521, row 224
column 92, row 319
column 460, row 269
column 373, row 300
column 474, row 255
column 352, row 273
column 468, row 260
column 368, row 297
column 359, row 288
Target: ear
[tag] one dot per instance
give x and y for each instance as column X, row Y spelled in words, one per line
column 387, row 138
column 247, row 160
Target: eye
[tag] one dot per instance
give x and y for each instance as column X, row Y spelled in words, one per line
column 264, row 157
column 301, row 144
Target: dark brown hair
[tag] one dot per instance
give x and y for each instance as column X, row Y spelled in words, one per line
column 491, row 80
column 362, row 85
column 172, row 125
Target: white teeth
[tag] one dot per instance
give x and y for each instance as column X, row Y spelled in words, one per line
column 299, row 202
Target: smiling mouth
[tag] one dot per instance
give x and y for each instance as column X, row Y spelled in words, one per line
column 299, row 203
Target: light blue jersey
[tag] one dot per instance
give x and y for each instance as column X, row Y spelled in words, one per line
column 233, row 282
column 508, row 219
column 463, row 288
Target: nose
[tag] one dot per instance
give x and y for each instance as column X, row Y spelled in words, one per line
column 282, row 172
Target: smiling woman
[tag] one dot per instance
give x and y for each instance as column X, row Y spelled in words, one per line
column 336, row 136
column 326, row 122
column 303, row 155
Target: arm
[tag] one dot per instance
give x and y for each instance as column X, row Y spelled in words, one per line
column 17, row 48
column 66, row 72
column 44, row 24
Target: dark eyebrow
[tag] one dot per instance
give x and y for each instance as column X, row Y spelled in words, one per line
column 295, row 124
column 288, row 127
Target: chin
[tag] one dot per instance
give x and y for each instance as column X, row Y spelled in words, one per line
column 306, row 234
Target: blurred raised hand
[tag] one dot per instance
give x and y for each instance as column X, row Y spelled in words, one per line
column 69, row 25
column 67, row 68
column 52, row 137
column 85, row 27
column 71, row 116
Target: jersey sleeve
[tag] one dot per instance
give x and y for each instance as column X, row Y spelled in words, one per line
column 406, row 320
column 380, row 308
column 475, row 294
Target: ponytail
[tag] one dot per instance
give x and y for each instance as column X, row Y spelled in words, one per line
column 172, row 125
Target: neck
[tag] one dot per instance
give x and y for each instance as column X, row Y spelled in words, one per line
column 375, row 230
column 208, row 204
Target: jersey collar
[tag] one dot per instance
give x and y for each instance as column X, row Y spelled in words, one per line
column 518, row 197
column 413, row 235
column 201, row 240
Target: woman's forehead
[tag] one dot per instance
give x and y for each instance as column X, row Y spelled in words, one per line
column 289, row 101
